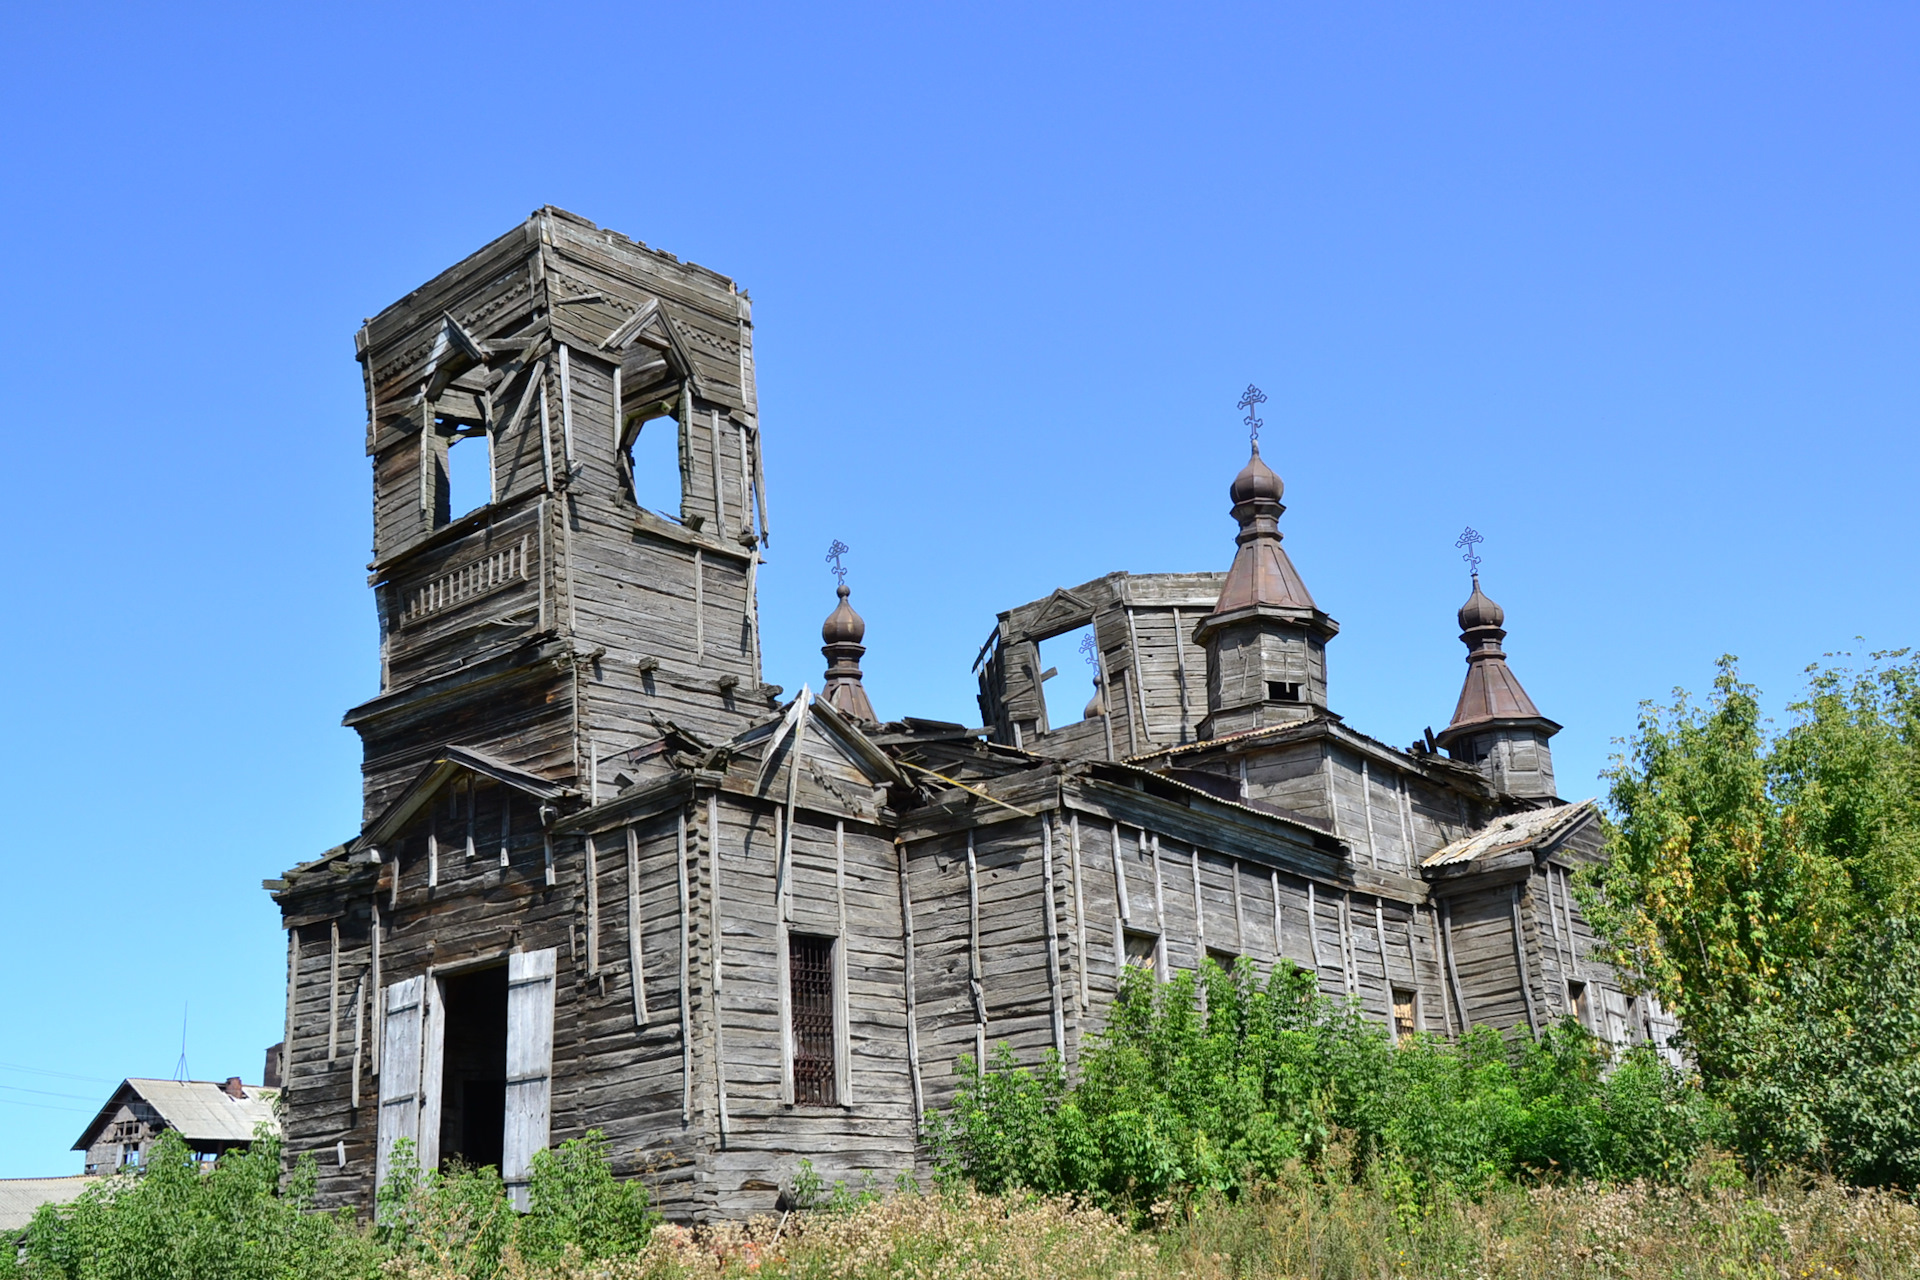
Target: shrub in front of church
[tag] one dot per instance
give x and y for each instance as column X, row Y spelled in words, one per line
column 239, row 1221
column 177, row 1218
column 1216, row 1081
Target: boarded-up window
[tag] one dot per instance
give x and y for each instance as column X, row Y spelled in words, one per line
column 529, row 1066
column 1143, row 949
column 1405, row 1021
column 1577, row 1003
column 810, row 978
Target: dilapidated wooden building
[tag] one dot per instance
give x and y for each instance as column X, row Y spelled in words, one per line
column 609, row 878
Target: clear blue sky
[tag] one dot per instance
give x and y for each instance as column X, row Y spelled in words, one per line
column 1631, row 288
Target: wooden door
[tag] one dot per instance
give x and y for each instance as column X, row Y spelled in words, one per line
column 530, row 988
column 400, row 1037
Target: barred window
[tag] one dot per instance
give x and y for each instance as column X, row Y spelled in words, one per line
column 810, row 982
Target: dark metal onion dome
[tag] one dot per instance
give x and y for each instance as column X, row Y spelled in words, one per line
column 1479, row 611
column 1256, row 480
column 843, row 631
column 1492, row 694
column 1261, row 573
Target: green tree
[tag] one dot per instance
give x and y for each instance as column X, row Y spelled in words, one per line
column 1761, row 885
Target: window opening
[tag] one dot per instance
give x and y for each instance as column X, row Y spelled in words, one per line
column 810, row 989
column 1143, row 949
column 1405, row 1020
column 1224, row 958
column 473, row 1098
column 1577, row 1001
column 469, row 471
column 1283, row 690
column 651, row 459
column 1069, row 682
column 129, row 1153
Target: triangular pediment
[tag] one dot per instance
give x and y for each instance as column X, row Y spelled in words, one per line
column 452, row 762
column 650, row 330
column 1062, row 611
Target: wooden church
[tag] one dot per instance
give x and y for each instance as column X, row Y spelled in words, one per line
column 609, row 878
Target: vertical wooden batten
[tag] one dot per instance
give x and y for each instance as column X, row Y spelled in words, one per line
column 636, row 941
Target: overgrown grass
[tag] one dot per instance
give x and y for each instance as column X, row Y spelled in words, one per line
column 1302, row 1226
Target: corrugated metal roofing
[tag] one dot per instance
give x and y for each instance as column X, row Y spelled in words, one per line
column 21, row 1197
column 1515, row 831
column 200, row 1110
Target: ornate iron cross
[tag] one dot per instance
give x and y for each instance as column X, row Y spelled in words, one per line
column 1251, row 402
column 1470, row 540
column 834, row 553
column 1090, row 650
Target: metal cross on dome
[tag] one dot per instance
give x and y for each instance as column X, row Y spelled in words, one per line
column 834, row 553
column 1471, row 541
column 1251, row 402
column 1090, row 650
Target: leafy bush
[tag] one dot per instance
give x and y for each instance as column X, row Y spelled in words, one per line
column 238, row 1222
column 172, row 1220
column 1183, row 1094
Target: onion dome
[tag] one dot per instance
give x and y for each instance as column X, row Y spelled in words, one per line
column 1097, row 704
column 1479, row 611
column 1491, row 695
column 844, row 626
column 843, row 631
column 1262, row 575
column 1256, row 481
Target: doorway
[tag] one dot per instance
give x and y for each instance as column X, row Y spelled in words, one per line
column 473, row 1102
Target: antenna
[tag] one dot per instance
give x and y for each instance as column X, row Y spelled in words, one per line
column 834, row 553
column 1251, row 401
column 1471, row 541
column 180, row 1068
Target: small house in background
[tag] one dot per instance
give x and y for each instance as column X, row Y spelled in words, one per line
column 21, row 1198
column 212, row 1118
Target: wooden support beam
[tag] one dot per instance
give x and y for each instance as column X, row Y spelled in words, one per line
column 1180, row 660
column 1079, row 913
column 842, row 1015
column 1279, row 935
column 913, row 1027
column 593, row 907
column 378, row 995
column 333, row 991
column 686, row 967
column 976, row 988
column 719, row 966
column 636, row 940
column 1052, row 921
column 566, row 407
column 1120, row 880
column 1453, row 968
column 1520, row 962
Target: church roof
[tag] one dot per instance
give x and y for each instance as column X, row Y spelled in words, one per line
column 1533, row 829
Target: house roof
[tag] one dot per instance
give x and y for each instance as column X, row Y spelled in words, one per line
column 1533, row 829
column 199, row 1110
column 21, row 1197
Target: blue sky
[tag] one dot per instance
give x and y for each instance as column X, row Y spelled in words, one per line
column 1630, row 288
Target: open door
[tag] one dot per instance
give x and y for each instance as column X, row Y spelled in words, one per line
column 400, row 1041
column 530, row 989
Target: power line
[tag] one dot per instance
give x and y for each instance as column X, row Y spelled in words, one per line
column 61, row 1075
column 46, row 1106
column 46, row 1093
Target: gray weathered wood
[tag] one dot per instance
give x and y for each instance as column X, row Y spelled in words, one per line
column 530, row 1006
column 400, row 1080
